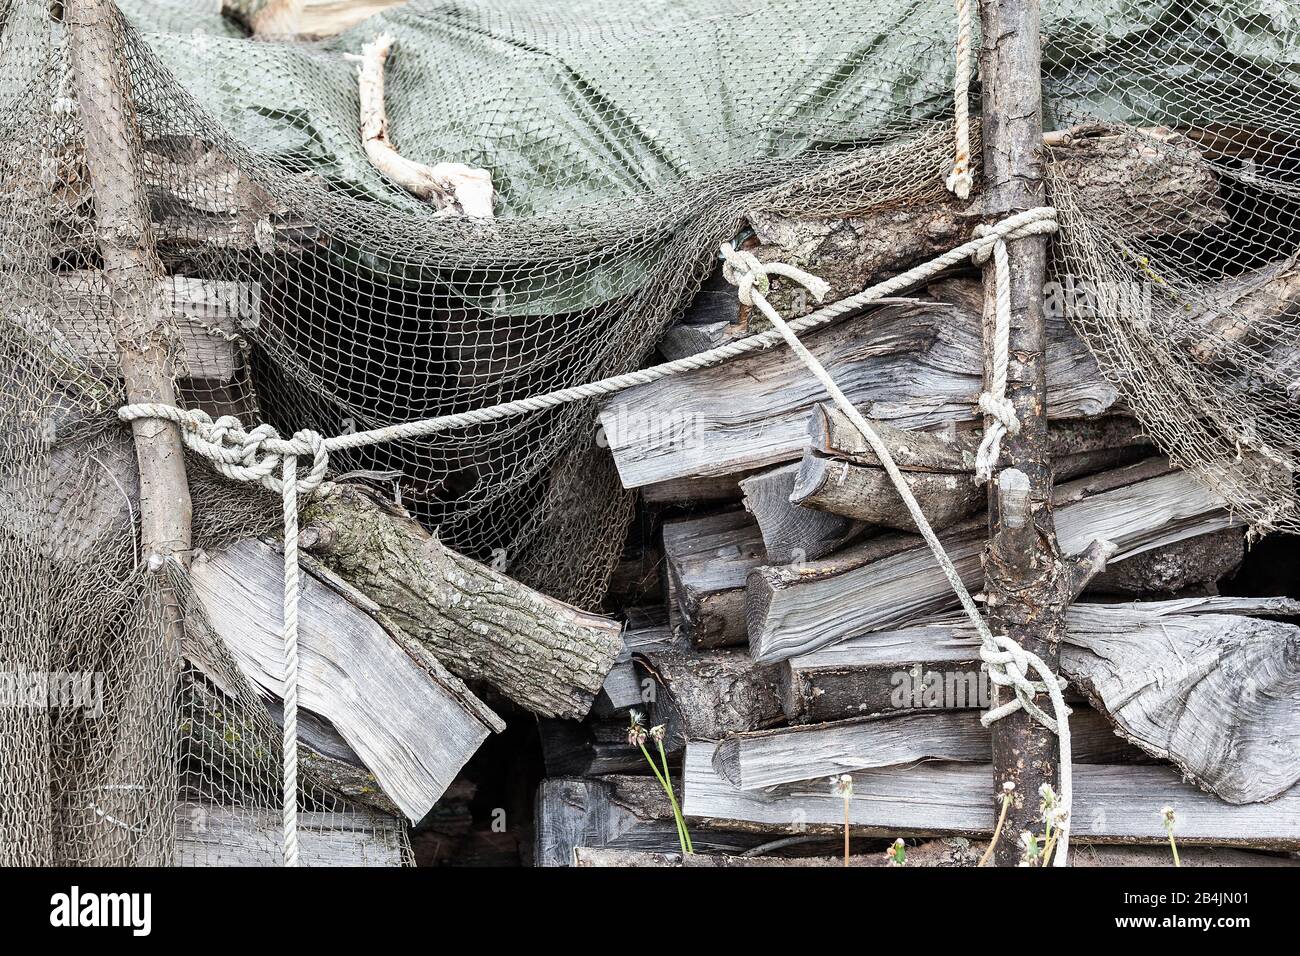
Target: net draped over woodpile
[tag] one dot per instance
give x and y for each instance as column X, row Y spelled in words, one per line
column 625, row 142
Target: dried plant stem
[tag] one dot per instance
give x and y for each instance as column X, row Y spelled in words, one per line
column 997, row 831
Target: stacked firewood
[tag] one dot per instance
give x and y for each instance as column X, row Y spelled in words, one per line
column 786, row 624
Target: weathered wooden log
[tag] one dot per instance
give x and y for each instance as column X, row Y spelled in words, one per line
column 1113, row 804
column 840, row 473
column 1178, row 194
column 313, row 19
column 706, row 695
column 790, row 532
column 214, row 835
column 1224, row 682
column 708, row 559
column 932, row 853
column 695, row 491
column 1198, row 562
column 381, row 690
column 868, row 495
column 206, row 316
column 1245, row 310
column 766, row 758
column 892, row 579
column 615, row 811
column 546, row 656
column 1225, row 704
column 623, row 688
column 917, row 364
column 239, row 746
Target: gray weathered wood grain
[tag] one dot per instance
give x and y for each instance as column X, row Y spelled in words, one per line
column 766, row 758
column 615, row 811
column 706, row 695
column 892, row 580
column 412, row 723
column 213, row 835
column 1114, row 804
column 708, row 558
column 791, row 532
column 916, row 364
column 1219, row 694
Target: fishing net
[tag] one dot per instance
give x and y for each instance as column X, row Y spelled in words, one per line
column 303, row 288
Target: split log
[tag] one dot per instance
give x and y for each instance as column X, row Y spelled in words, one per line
column 868, row 495
column 382, row 691
column 615, row 811
column 790, row 532
column 708, row 559
column 706, row 695
column 936, row 664
column 1243, row 311
column 932, row 853
column 546, row 656
column 1113, row 804
column 917, row 364
column 1177, row 193
column 1199, row 562
column 240, row 748
column 892, row 579
column 213, row 835
column 842, row 475
column 766, row 758
column 454, row 188
column 1218, row 694
column 695, row 491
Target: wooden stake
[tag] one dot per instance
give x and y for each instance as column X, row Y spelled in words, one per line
column 140, row 317
column 1023, row 565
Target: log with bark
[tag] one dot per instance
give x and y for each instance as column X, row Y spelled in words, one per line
column 1113, row 804
column 383, row 691
column 917, row 364
column 840, row 474
column 892, row 579
column 1149, row 182
column 548, row 657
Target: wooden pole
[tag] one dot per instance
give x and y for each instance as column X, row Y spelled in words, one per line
column 135, row 778
column 1023, row 566
column 132, row 269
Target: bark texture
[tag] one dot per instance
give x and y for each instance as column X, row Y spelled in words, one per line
column 546, row 656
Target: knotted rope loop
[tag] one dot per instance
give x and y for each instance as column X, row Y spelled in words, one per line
column 993, row 401
column 749, row 274
column 255, row 455
column 1009, row 665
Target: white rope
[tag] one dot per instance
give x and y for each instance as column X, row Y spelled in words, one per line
column 255, row 455
column 959, row 180
column 994, row 402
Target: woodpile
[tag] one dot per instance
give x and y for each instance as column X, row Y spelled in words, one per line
column 810, row 634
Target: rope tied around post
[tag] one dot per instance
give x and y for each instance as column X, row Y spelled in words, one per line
column 994, row 402
column 254, row 455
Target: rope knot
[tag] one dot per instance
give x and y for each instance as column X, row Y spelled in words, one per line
column 1010, row 665
column 748, row 274
column 1001, row 409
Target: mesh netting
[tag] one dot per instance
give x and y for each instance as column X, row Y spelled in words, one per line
column 303, row 288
